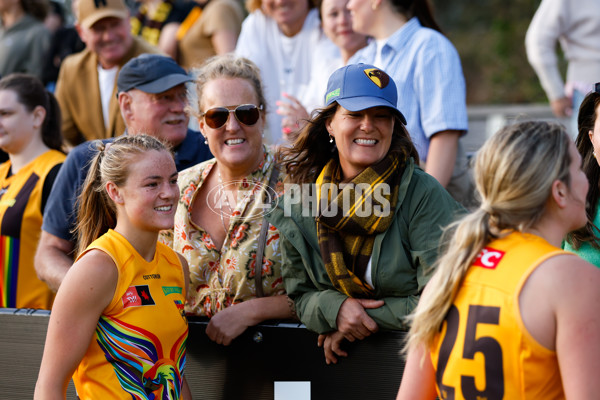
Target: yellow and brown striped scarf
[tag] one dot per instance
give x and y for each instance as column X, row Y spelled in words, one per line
column 346, row 235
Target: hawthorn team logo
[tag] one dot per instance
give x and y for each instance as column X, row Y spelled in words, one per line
column 378, row 77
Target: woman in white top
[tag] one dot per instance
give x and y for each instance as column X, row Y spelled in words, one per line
column 576, row 25
column 334, row 53
column 280, row 37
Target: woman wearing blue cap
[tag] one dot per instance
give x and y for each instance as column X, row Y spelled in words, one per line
column 357, row 245
column 426, row 67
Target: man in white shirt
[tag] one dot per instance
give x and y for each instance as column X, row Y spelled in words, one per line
column 575, row 24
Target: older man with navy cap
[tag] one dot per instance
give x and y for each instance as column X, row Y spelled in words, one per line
column 152, row 98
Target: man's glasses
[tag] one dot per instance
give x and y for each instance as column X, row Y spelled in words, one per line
column 246, row 114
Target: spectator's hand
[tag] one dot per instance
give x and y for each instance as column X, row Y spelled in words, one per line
column 331, row 346
column 562, row 107
column 353, row 321
column 228, row 324
column 294, row 114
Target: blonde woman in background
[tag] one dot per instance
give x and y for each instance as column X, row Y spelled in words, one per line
column 508, row 314
column 220, row 215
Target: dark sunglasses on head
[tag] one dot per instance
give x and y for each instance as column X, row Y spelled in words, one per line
column 597, row 87
column 246, row 114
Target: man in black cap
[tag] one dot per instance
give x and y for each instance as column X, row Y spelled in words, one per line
column 152, row 98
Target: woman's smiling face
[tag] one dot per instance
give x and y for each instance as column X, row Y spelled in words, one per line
column 235, row 146
column 362, row 138
column 337, row 25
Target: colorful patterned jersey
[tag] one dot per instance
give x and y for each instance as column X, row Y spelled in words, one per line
column 139, row 348
column 484, row 350
column 20, row 229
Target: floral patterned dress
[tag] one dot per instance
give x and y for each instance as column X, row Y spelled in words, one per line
column 222, row 277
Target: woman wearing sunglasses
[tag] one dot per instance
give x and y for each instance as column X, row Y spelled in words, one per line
column 585, row 242
column 220, row 215
column 359, row 261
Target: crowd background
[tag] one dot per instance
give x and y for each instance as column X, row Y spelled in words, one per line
column 286, row 36
column 499, row 79
column 496, row 70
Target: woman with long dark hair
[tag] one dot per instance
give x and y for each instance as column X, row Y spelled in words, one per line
column 585, row 242
column 356, row 257
column 30, row 134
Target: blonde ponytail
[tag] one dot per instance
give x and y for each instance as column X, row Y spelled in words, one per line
column 514, row 172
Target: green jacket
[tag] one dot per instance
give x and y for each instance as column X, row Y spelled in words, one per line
column 400, row 259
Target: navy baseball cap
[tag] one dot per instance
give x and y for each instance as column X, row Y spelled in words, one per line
column 357, row 87
column 151, row 73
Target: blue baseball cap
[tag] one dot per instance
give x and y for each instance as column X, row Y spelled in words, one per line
column 151, row 73
column 357, row 87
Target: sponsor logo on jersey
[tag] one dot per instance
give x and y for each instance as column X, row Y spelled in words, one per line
column 136, row 296
column 179, row 304
column 7, row 202
column 167, row 290
column 489, row 258
column 181, row 308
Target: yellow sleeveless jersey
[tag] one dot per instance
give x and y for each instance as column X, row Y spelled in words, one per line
column 139, row 348
column 483, row 351
column 20, row 229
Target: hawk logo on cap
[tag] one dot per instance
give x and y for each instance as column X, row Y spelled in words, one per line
column 100, row 3
column 378, row 77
